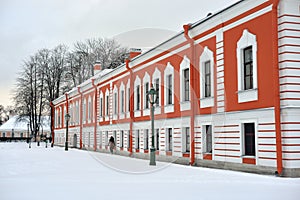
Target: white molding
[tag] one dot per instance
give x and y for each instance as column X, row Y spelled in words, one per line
column 207, row 102
column 157, row 75
column 146, row 79
column 207, row 55
column 185, row 64
column 247, row 95
column 137, row 82
column 169, row 70
column 247, row 39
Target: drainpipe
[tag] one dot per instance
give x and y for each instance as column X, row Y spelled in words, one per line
column 80, row 123
column 131, row 106
column 95, row 115
column 192, row 92
column 277, row 88
column 52, row 122
column 67, row 110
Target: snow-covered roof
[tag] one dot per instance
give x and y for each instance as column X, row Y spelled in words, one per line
column 21, row 124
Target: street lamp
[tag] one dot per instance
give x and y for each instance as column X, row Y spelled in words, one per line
column 67, row 118
column 152, row 99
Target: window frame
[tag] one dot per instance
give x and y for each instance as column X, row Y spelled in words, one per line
column 169, row 139
column 245, row 141
column 246, row 95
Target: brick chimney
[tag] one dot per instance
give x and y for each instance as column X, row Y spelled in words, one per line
column 133, row 52
column 97, row 67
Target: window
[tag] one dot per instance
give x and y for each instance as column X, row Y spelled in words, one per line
column 107, row 105
column 90, row 110
column 84, row 111
column 185, row 103
column 146, row 95
column 58, row 118
column 249, row 139
column 157, row 138
column 169, row 139
column 21, row 135
column 146, row 88
column 77, row 113
column 207, row 79
column 186, row 85
column 248, row 68
column 186, row 139
column 122, row 101
column 156, row 81
column 128, row 139
column 146, row 139
column 169, row 89
column 101, row 107
column 138, row 96
column 115, row 104
column 157, row 90
column 3, row 134
column 208, row 139
column 121, row 139
column 137, row 139
column 106, row 137
column 246, row 55
column 128, row 94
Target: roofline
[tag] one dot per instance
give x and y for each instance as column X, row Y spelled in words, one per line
column 193, row 25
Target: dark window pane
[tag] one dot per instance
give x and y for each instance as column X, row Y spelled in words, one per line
column 188, row 144
column 138, row 101
column 248, row 68
column 249, row 133
column 146, row 95
column 157, row 90
column 186, row 85
column 169, row 95
column 208, row 138
column 207, row 79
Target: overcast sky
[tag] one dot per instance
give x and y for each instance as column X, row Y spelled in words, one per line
column 29, row 25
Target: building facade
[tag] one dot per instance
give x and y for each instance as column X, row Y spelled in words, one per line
column 229, row 94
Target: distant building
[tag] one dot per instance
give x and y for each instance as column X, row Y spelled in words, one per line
column 229, row 94
column 16, row 129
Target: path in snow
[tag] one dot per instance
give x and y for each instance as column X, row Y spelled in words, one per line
column 52, row 173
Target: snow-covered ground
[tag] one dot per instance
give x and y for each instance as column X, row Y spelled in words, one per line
column 52, row 173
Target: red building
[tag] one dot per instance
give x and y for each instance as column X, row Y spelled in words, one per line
column 229, row 94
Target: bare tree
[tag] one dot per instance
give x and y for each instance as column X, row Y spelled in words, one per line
column 49, row 73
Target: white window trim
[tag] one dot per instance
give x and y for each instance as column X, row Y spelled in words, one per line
column 203, row 146
column 247, row 39
column 137, row 82
column 90, row 110
column 122, row 114
column 127, row 99
column 167, row 139
column 207, row 55
column 157, row 75
column 242, row 139
column 185, row 64
column 168, row 71
column 184, row 138
column 115, row 103
column 84, row 111
column 77, row 113
column 101, row 114
column 106, row 104
column 146, row 79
